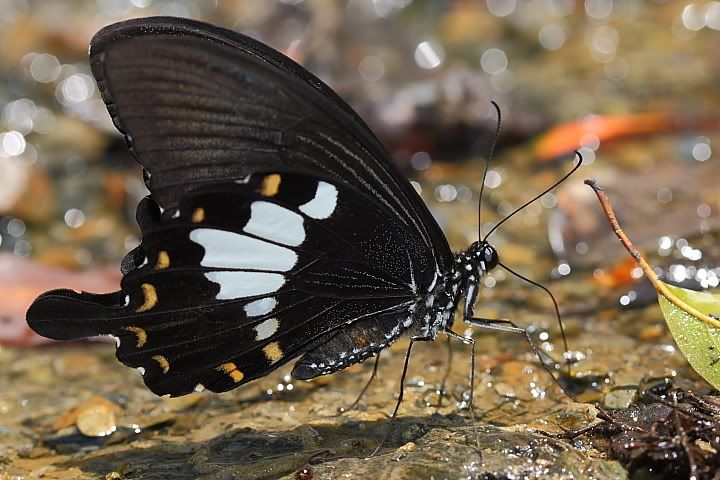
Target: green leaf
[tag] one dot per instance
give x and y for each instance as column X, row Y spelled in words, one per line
column 698, row 341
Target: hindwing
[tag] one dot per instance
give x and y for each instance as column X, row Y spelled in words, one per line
column 244, row 277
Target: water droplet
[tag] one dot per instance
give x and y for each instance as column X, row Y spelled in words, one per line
column 493, row 61
column 501, row 8
column 74, row 218
column 429, row 55
column 551, row 36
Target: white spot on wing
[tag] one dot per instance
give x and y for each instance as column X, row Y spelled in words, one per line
column 324, row 203
column 245, row 284
column 266, row 329
column 275, row 223
column 231, row 250
column 260, row 307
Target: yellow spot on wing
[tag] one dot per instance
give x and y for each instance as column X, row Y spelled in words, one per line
column 150, row 298
column 232, row 370
column 163, row 362
column 273, row 352
column 163, row 260
column 140, row 333
column 270, row 185
column 198, row 215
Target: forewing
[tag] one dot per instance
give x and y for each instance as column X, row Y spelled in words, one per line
column 243, row 278
column 200, row 104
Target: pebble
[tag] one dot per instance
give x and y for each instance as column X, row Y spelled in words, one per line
column 505, row 390
column 95, row 417
column 96, row 421
column 621, row 398
column 408, row 447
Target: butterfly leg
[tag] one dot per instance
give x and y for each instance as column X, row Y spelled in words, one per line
column 402, row 391
column 504, row 325
column 471, row 342
column 367, row 385
column 443, row 383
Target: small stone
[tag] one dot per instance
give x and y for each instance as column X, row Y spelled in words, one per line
column 96, row 421
column 505, row 390
column 619, row 399
column 408, row 447
column 95, row 417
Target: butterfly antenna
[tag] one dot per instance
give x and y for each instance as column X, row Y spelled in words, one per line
column 565, row 177
column 555, row 304
column 487, row 164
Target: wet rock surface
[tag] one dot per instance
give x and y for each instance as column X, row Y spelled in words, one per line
column 276, row 427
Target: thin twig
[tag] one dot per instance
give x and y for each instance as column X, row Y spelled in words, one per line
column 635, row 253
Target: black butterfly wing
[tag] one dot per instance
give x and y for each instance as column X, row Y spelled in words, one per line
column 200, row 104
column 247, row 276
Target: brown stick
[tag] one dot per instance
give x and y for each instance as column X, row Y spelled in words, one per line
column 660, row 286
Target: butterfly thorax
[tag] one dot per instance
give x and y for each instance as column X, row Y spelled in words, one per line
column 462, row 280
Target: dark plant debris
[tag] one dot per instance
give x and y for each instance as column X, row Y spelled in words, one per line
column 665, row 436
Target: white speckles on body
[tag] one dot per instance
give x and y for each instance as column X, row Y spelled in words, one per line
column 245, row 284
column 199, row 387
column 230, row 250
column 324, row 202
column 258, row 308
column 276, row 223
column 266, row 329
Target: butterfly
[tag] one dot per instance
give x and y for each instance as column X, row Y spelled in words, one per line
column 277, row 227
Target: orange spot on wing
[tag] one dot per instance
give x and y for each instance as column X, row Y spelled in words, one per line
column 140, row 333
column 151, row 298
column 273, row 352
column 270, row 185
column 198, row 215
column 163, row 260
column 163, row 362
column 232, row 370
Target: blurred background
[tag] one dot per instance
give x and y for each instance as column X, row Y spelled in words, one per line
column 632, row 84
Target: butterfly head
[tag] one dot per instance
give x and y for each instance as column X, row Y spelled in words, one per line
column 483, row 256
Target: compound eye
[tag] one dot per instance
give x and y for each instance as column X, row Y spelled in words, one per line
column 490, row 257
